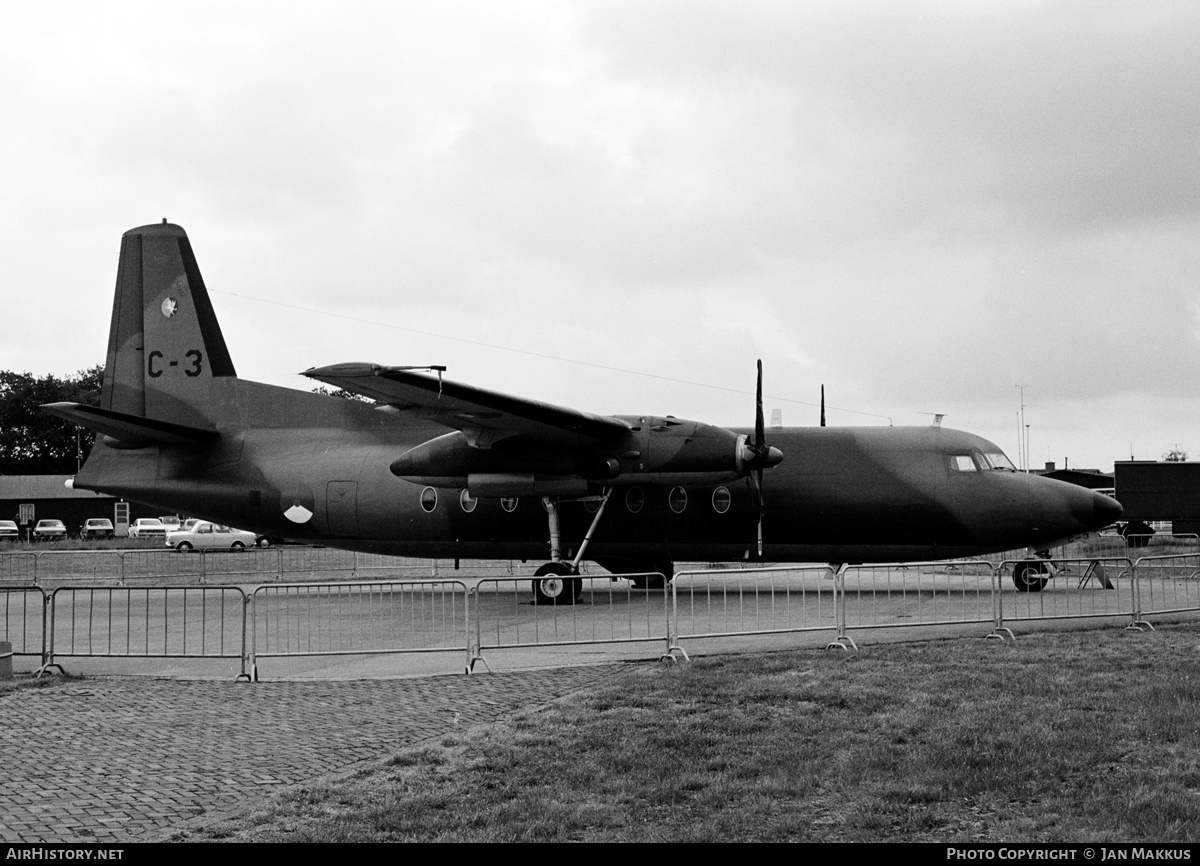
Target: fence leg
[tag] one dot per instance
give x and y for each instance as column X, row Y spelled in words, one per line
column 843, row 641
column 998, row 632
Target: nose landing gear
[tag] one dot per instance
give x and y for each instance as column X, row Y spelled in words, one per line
column 1031, row 576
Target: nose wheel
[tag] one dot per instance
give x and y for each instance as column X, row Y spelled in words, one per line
column 1030, row 576
column 556, row 583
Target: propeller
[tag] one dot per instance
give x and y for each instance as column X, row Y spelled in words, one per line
column 757, row 455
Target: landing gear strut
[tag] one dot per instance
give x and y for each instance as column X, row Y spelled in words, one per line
column 556, row 581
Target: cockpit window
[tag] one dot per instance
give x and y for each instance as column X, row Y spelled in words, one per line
column 997, row 460
column 962, row 463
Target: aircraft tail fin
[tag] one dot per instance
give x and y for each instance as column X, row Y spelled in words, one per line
column 165, row 348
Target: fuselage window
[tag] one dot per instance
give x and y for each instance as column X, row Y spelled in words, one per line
column 962, row 463
column 721, row 500
column 509, row 503
column 591, row 505
column 678, row 499
column 429, row 499
column 634, row 500
column 467, row 501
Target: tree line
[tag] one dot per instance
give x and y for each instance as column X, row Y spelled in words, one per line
column 33, row 442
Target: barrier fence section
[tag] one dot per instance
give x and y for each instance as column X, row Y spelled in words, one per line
column 730, row 602
column 142, row 565
column 18, row 567
column 1069, row 589
column 79, row 565
column 148, row 622
column 258, row 564
column 918, row 594
column 499, row 612
column 224, row 566
column 362, row 617
column 606, row 612
column 1166, row 584
column 24, row 611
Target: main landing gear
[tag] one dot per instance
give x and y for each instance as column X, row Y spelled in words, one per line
column 557, row 582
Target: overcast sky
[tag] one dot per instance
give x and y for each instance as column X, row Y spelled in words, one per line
column 620, row 206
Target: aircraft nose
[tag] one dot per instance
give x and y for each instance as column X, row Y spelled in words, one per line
column 1105, row 509
column 1094, row 510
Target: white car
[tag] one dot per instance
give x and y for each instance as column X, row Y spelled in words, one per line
column 49, row 530
column 9, row 531
column 147, row 527
column 96, row 527
column 205, row 535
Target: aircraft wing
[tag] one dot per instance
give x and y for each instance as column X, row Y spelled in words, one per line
column 484, row 416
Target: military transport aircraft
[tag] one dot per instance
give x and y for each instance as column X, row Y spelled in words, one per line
column 436, row 468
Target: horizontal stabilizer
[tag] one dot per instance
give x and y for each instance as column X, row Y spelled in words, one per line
column 484, row 416
column 132, row 430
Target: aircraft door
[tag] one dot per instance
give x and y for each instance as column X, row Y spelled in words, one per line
column 341, row 507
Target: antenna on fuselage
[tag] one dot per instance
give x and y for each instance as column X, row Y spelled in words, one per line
column 822, row 405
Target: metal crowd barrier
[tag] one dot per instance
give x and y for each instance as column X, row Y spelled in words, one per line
column 365, row 617
column 730, row 602
column 18, row 567
column 79, row 565
column 139, row 565
column 1072, row 589
column 1166, row 584
column 147, row 622
column 607, row 612
column 23, row 614
column 918, row 594
column 491, row 613
column 142, row 565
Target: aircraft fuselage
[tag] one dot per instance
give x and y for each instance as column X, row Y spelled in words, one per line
column 869, row 494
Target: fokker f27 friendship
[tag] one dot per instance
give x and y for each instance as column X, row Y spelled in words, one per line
column 440, row 469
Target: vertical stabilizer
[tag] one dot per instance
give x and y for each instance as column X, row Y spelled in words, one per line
column 165, row 347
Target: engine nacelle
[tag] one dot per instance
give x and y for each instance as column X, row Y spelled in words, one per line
column 656, row 450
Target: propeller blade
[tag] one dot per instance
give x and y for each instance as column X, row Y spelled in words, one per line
column 761, row 509
column 761, row 451
column 759, row 426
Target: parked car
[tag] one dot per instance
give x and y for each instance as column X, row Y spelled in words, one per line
column 96, row 527
column 9, row 530
column 205, row 535
column 49, row 530
column 170, row 521
column 147, row 527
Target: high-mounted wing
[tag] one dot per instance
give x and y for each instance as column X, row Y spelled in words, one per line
column 483, row 416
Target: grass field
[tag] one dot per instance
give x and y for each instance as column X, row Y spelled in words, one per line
column 1075, row 736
